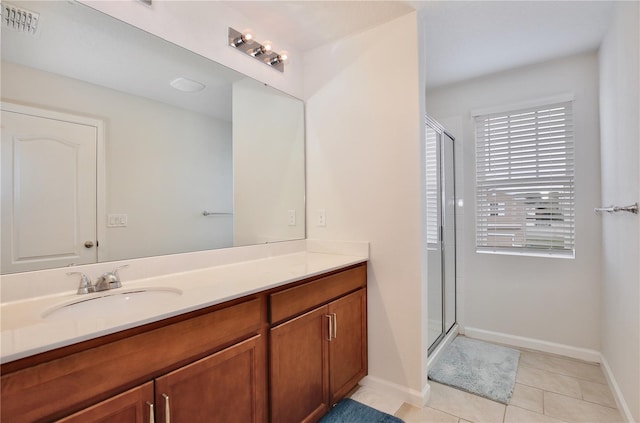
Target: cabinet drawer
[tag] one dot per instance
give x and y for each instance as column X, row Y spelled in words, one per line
column 56, row 388
column 293, row 301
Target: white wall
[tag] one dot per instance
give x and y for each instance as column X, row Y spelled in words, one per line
column 190, row 168
column 202, row 27
column 364, row 130
column 268, row 164
column 620, row 158
column 544, row 299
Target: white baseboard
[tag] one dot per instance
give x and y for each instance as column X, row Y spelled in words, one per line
column 384, row 387
column 615, row 389
column 534, row 344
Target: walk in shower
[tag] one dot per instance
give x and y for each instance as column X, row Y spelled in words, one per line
column 441, row 232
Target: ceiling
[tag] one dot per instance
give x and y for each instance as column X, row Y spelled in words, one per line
column 463, row 39
column 467, row 39
column 309, row 24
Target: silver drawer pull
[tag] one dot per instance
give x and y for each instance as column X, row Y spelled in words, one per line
column 151, row 417
column 167, row 410
column 328, row 316
column 335, row 326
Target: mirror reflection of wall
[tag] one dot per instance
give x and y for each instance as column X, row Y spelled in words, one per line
column 268, row 157
column 190, row 167
column 168, row 155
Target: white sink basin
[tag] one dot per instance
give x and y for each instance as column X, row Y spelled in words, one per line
column 112, row 303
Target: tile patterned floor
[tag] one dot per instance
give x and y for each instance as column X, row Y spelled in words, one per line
column 549, row 389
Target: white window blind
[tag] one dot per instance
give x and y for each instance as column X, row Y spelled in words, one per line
column 525, row 181
column 432, row 198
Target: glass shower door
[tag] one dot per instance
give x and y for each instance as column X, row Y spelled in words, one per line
column 440, row 236
column 434, row 251
column 449, row 232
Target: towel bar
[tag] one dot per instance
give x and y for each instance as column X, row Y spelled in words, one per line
column 633, row 208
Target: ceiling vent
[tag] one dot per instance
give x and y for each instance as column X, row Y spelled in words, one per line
column 19, row 19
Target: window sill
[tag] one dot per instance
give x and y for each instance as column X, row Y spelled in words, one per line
column 528, row 253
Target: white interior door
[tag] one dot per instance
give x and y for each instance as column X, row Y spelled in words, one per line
column 48, row 191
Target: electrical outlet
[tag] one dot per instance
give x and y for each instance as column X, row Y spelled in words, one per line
column 291, row 216
column 322, row 218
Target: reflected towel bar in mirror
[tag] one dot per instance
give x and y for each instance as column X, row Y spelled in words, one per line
column 206, row 213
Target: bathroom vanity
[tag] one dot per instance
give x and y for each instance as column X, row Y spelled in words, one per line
column 282, row 353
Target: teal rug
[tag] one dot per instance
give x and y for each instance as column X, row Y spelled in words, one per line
column 350, row 411
column 478, row 367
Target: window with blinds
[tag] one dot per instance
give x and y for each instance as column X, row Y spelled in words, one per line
column 432, row 197
column 525, row 181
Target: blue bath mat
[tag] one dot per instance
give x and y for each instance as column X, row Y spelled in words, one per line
column 350, row 411
column 478, row 367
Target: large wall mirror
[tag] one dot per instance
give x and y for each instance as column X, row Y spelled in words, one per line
column 117, row 144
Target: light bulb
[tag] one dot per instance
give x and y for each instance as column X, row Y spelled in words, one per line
column 265, row 48
column 243, row 39
column 280, row 58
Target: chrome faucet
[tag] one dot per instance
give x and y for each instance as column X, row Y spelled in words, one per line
column 108, row 280
column 86, row 286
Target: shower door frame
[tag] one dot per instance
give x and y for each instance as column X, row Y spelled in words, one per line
column 444, row 331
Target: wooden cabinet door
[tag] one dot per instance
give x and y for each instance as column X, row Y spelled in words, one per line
column 348, row 347
column 228, row 386
column 299, row 368
column 132, row 406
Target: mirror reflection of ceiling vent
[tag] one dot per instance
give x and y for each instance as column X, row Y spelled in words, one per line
column 19, row 19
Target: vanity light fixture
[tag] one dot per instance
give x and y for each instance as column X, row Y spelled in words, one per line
column 260, row 51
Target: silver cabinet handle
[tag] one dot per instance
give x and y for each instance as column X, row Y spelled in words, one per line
column 335, row 325
column 167, row 410
column 151, row 417
column 328, row 316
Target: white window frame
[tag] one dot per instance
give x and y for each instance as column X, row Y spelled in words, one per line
column 525, row 202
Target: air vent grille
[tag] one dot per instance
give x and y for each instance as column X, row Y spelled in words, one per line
column 19, row 19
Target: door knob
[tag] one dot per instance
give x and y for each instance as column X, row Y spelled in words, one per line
column 88, row 244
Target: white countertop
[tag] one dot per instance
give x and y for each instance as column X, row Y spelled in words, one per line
column 25, row 332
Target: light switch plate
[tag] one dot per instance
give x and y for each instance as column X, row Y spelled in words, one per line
column 117, row 220
column 291, row 216
column 322, row 218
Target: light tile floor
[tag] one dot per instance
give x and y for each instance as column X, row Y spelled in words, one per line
column 549, row 389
